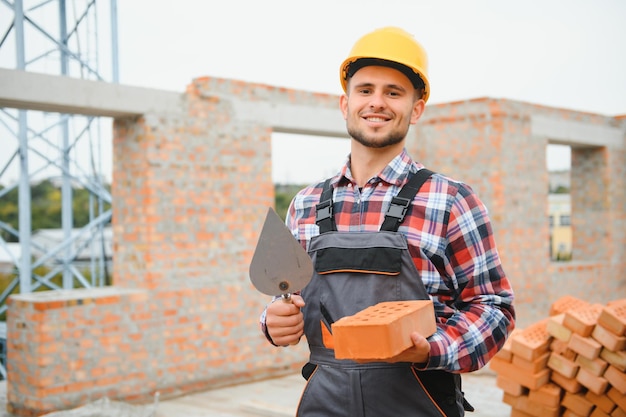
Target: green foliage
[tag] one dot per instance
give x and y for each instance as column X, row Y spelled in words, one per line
column 560, row 190
column 45, row 208
column 283, row 196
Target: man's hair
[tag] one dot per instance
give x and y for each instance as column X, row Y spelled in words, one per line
column 414, row 77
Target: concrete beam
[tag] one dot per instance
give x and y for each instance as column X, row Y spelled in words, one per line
column 577, row 134
column 59, row 94
column 287, row 117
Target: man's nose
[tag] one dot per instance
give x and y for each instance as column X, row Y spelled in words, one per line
column 377, row 101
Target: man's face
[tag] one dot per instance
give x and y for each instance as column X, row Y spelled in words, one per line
column 379, row 106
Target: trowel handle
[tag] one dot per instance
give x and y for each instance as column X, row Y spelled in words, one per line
column 287, row 299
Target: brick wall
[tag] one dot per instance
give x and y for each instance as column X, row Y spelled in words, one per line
column 191, row 191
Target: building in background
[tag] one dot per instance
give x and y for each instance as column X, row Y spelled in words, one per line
column 559, row 214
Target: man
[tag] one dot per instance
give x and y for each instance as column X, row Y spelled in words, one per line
column 372, row 239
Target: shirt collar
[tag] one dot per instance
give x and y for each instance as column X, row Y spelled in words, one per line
column 395, row 173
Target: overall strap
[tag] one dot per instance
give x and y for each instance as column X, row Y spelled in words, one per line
column 324, row 217
column 401, row 203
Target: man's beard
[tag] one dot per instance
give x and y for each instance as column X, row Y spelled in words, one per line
column 392, row 139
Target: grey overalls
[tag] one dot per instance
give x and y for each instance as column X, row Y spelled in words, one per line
column 354, row 271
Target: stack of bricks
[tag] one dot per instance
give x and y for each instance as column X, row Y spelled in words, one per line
column 571, row 364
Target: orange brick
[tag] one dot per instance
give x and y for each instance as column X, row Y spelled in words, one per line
column 570, row 413
column 613, row 317
column 598, row 413
column 584, row 346
column 617, row 359
column 594, row 366
column 566, row 303
column 560, row 347
column 523, row 404
column 383, row 331
column 568, row 384
column 522, row 377
column 566, row 367
column 556, row 328
column 617, row 397
column 582, row 320
column 519, row 413
column 595, row 384
column 577, row 403
column 550, row 394
column 616, row 378
column 511, row 387
column 531, row 366
column 608, row 339
column 602, row 402
column 618, row 412
column 531, row 342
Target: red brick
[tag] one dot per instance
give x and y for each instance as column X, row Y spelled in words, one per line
column 560, row 347
column 550, row 394
column 613, row 317
column 511, row 387
column 562, row 365
column 618, row 412
column 584, row 346
column 519, row 413
column 616, row 378
column 570, row 413
column 617, row 359
column 598, row 413
column 383, row 331
column 523, row 404
column 568, row 384
column 582, row 320
column 525, row 378
column 556, row 328
column 577, row 403
column 566, row 303
column 531, row 366
column 595, row 384
column 531, row 342
column 602, row 402
column 617, row 397
column 608, row 339
column 593, row 366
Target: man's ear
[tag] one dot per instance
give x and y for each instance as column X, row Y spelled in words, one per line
column 343, row 104
column 418, row 110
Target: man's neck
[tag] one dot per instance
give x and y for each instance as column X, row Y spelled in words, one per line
column 366, row 162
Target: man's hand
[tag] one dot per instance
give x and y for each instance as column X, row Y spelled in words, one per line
column 285, row 322
column 418, row 353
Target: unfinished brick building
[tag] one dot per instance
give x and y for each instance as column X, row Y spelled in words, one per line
column 191, row 185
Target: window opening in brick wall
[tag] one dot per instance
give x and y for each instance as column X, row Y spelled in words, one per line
column 559, row 206
column 305, row 159
column 301, row 160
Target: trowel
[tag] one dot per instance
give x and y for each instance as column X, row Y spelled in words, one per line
column 279, row 266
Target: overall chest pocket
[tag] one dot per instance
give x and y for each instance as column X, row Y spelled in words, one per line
column 369, row 260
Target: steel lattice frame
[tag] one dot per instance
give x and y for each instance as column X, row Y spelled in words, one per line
column 61, row 38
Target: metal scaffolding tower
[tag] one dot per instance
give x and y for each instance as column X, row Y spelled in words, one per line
column 61, row 38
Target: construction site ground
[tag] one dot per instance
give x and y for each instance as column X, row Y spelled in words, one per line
column 276, row 397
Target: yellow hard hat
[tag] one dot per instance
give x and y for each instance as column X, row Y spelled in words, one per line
column 388, row 46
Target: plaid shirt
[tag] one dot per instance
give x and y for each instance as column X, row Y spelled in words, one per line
column 451, row 242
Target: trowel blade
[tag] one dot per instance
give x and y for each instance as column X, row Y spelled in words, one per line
column 279, row 266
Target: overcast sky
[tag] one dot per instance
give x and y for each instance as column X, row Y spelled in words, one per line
column 562, row 53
